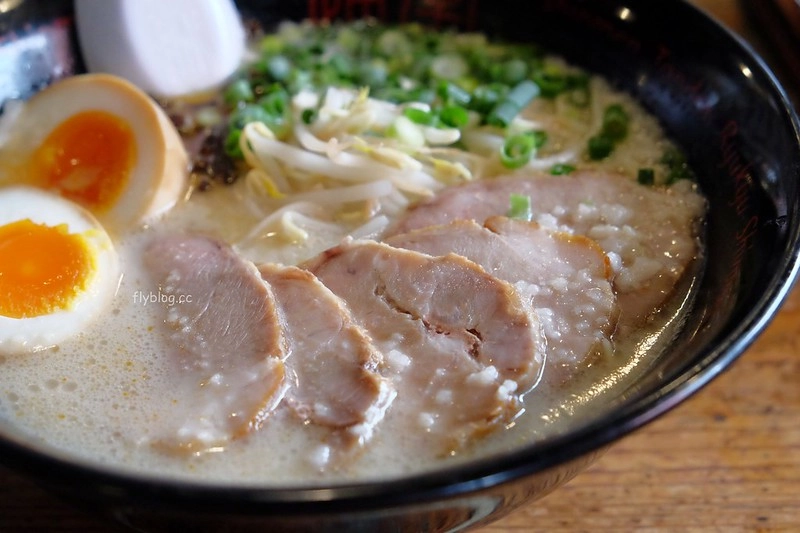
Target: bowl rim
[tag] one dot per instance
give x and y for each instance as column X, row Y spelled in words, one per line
column 481, row 473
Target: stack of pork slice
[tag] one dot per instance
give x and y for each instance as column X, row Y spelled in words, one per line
column 439, row 328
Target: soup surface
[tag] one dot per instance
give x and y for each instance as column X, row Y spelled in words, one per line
column 398, row 249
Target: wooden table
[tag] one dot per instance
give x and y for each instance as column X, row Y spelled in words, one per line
column 726, row 460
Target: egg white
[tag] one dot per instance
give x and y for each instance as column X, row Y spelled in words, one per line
column 19, row 335
column 160, row 175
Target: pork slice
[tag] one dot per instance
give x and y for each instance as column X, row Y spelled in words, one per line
column 332, row 365
column 459, row 342
column 224, row 335
column 565, row 277
column 649, row 233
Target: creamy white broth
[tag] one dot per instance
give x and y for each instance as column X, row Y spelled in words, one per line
column 97, row 395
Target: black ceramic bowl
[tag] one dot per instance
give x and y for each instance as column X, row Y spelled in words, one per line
column 712, row 94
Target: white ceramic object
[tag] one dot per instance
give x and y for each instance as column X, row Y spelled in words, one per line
column 168, row 48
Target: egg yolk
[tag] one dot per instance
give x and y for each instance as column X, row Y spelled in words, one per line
column 42, row 268
column 87, row 158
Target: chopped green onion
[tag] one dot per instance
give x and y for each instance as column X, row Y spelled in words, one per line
column 238, row 91
column 271, row 44
column 302, row 59
column 520, row 207
column 349, row 39
column 514, row 102
column 454, row 116
column 513, row 71
column 539, row 138
column 398, row 95
column 419, row 116
column 672, row 157
column 450, row 93
column 615, row 122
column 518, row 150
column 448, row 67
column 278, row 123
column 420, row 69
column 478, row 61
column 278, row 67
column 393, row 43
column 431, row 41
column 551, row 83
column 231, row 145
column 308, row 115
column 561, row 169
column 458, row 76
column 677, row 167
column 373, row 74
column 646, row 176
column 422, row 94
column 276, row 102
column 485, row 97
column 342, row 65
column 613, row 130
column 246, row 114
column 299, row 80
column 600, row 147
column 316, row 48
column 579, row 94
column 494, row 71
column 468, row 83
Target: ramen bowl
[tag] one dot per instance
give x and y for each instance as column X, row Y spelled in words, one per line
column 713, row 96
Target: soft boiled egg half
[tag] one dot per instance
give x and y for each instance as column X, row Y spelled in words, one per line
column 58, row 269
column 100, row 142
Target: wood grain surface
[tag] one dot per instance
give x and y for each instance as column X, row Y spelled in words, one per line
column 728, row 459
